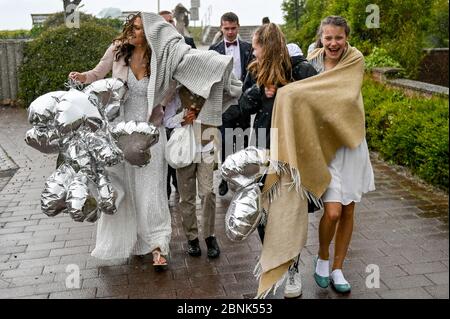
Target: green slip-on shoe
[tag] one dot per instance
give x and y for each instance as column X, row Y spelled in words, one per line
column 322, row 282
column 342, row 288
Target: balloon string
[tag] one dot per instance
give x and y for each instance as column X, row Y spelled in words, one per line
column 73, row 84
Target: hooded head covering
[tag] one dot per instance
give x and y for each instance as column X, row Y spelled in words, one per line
column 205, row 73
column 294, row 50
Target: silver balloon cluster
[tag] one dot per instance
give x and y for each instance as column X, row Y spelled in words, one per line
column 77, row 125
column 243, row 172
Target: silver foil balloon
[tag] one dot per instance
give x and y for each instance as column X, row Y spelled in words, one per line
column 45, row 140
column 53, row 197
column 41, row 111
column 135, row 139
column 244, row 213
column 76, row 153
column 244, row 167
column 103, row 149
column 108, row 95
column 74, row 110
column 106, row 195
column 81, row 202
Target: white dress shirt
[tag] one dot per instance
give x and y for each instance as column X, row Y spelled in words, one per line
column 172, row 120
column 235, row 52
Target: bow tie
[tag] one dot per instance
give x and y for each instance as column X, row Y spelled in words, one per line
column 228, row 44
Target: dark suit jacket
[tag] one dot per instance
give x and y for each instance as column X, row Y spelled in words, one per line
column 190, row 41
column 246, row 54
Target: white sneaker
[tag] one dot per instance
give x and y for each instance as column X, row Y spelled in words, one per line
column 293, row 287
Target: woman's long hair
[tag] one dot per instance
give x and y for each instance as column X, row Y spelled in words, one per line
column 124, row 48
column 274, row 67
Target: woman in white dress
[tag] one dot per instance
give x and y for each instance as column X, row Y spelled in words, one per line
column 351, row 173
column 142, row 223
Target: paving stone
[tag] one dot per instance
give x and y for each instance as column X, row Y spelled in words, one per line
column 410, row 293
column 105, row 281
column 16, row 292
column 424, row 268
column 31, row 255
column 440, row 291
column 46, row 246
column 407, row 282
column 69, row 251
column 74, row 294
column 39, row 262
column 22, row 272
column 32, row 280
column 440, row 278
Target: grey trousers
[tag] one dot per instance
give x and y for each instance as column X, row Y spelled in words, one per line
column 201, row 172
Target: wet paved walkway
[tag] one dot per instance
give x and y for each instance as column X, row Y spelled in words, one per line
column 402, row 228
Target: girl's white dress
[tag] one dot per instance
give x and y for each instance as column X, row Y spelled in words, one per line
column 351, row 170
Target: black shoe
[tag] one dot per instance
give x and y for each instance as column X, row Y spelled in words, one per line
column 213, row 247
column 194, row 248
column 223, row 188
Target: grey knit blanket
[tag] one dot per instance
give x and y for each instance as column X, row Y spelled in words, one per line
column 205, row 73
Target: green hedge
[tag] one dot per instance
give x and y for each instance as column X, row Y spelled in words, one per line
column 54, row 53
column 409, row 131
column 57, row 20
column 380, row 58
column 14, row 34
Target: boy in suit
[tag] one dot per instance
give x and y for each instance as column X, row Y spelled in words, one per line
column 242, row 55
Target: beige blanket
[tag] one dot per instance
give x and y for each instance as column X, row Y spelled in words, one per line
column 314, row 118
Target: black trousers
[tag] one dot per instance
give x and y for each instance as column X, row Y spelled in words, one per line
column 171, row 172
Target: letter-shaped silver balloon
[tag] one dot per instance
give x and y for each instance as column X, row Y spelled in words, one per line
column 135, row 139
column 244, row 167
column 244, row 213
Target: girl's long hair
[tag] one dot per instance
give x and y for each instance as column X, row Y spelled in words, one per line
column 274, row 67
column 124, row 48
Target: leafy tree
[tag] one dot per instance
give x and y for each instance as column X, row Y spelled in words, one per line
column 406, row 26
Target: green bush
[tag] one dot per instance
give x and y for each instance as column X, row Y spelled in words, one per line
column 15, row 34
column 380, row 58
column 409, row 131
column 54, row 53
column 437, row 37
column 58, row 19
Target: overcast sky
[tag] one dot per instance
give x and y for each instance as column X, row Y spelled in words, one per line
column 15, row 14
